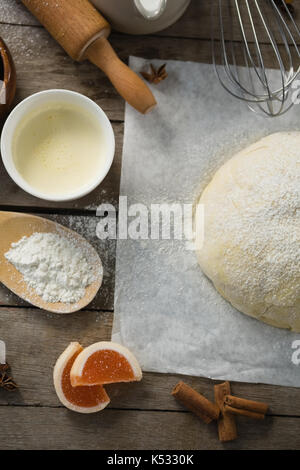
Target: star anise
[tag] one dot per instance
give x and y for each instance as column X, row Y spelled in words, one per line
column 156, row 75
column 6, row 380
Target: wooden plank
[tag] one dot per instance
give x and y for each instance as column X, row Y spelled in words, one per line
column 166, row 48
column 195, row 23
column 48, row 428
column 85, row 226
column 154, row 392
column 35, row 339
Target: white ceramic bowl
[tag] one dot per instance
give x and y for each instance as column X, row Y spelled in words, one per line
column 43, row 98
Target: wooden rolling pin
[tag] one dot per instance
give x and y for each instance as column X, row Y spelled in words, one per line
column 82, row 32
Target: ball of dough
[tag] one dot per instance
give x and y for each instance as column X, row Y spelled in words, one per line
column 251, row 248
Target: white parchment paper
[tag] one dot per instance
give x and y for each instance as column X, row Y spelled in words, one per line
column 166, row 311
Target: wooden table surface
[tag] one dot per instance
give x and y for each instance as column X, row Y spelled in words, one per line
column 142, row 415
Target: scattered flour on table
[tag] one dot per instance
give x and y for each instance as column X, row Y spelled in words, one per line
column 55, row 266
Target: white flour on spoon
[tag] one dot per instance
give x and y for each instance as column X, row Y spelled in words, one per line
column 55, row 266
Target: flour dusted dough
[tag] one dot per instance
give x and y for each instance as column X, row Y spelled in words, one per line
column 251, row 249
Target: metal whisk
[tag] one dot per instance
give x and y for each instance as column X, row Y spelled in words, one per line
column 269, row 36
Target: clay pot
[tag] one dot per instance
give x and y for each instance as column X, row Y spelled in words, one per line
column 7, row 79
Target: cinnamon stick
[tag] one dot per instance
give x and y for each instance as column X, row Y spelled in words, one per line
column 195, row 402
column 241, row 412
column 243, row 404
column 226, row 423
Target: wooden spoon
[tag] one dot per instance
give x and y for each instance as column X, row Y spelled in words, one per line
column 8, row 79
column 14, row 226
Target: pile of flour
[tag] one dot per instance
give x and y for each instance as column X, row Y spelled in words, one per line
column 55, row 266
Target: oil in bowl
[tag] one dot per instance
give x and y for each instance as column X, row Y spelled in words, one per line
column 59, row 148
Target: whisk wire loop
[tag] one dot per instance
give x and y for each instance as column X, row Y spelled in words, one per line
column 250, row 35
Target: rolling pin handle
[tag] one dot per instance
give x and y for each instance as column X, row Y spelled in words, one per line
column 128, row 84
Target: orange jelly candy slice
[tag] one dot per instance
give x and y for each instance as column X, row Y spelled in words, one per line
column 105, row 363
column 82, row 399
